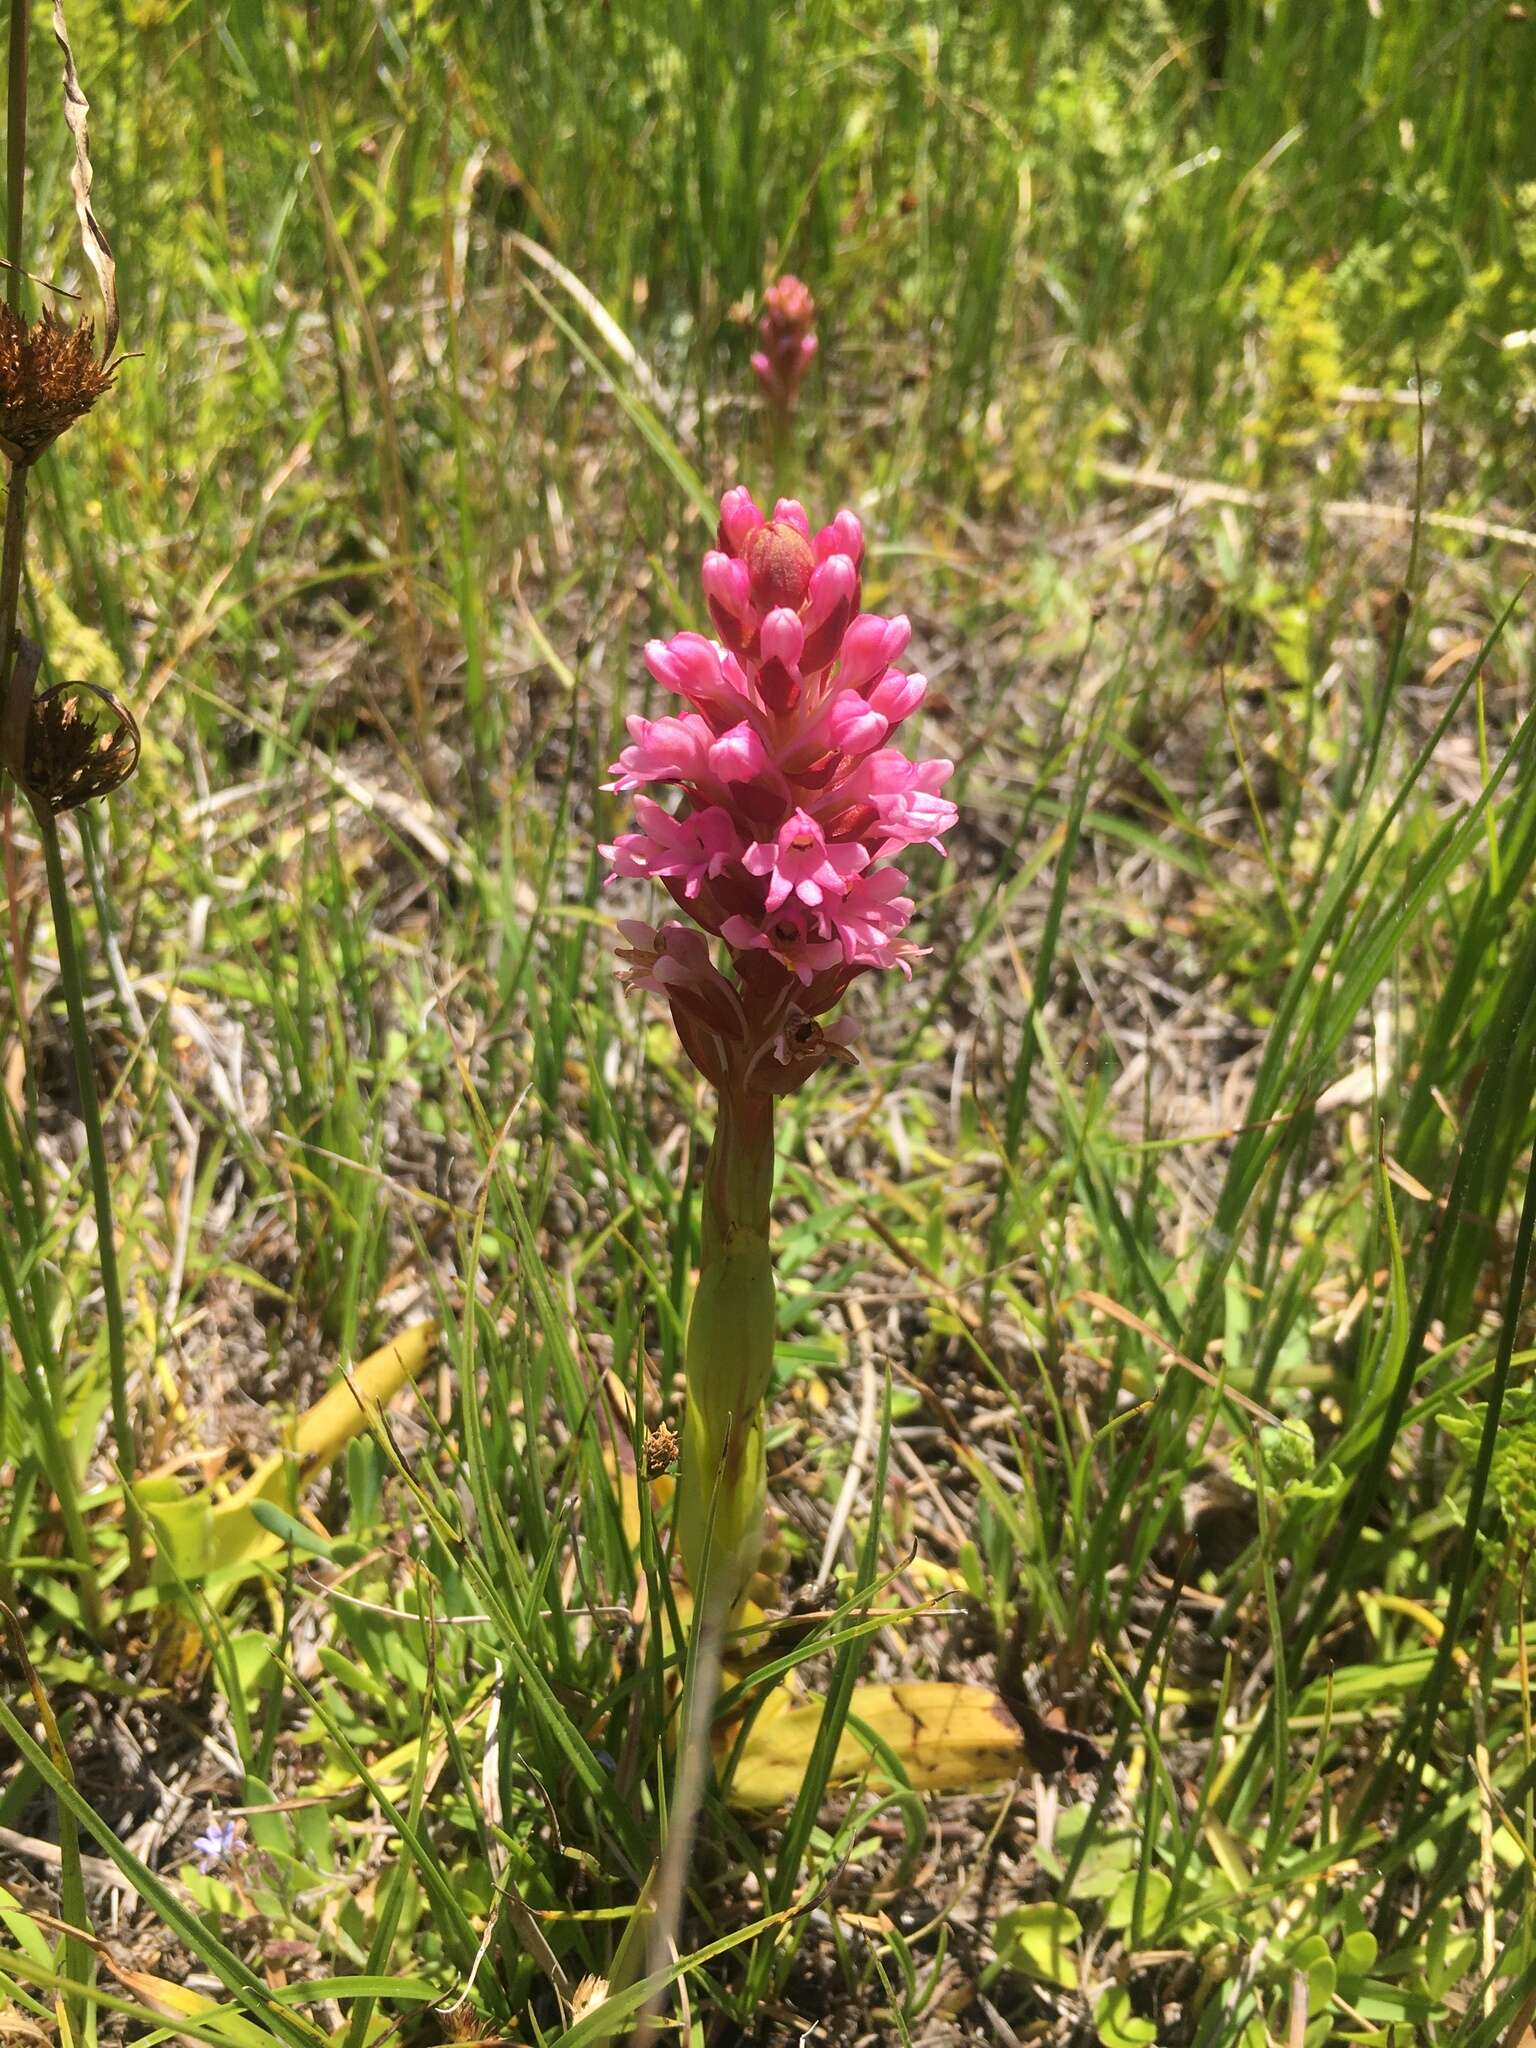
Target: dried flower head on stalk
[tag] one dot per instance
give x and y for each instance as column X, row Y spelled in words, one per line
column 49, row 377
column 60, row 746
column 660, row 1450
column 73, row 741
column 81, row 743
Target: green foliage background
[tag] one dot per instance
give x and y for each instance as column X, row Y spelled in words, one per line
column 1180, row 361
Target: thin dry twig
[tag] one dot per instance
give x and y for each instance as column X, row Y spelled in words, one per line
column 1117, row 1314
column 1211, row 491
column 707, row 1653
column 94, row 1869
column 858, row 1463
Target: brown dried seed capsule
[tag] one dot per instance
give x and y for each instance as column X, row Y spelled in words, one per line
column 81, row 743
column 660, row 1450
column 49, row 376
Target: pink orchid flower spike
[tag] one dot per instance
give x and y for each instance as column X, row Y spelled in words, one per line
column 788, row 802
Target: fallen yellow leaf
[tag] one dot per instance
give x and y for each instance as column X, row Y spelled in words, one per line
column 340, row 1412
column 947, row 1738
column 209, row 1535
column 175, row 2001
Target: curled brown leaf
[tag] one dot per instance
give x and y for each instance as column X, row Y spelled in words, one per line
column 97, row 248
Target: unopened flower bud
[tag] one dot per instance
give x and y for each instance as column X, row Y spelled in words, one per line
column 780, row 564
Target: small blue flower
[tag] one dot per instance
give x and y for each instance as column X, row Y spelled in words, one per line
column 215, row 1843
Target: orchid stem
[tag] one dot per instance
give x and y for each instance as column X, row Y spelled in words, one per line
column 722, row 1486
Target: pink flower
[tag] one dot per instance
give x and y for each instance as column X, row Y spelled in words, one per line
column 832, row 600
column 893, row 801
column 854, row 725
column 844, row 536
column 673, row 962
column 740, row 756
column 705, row 674
column 909, row 808
column 870, row 645
column 728, row 588
column 799, row 862
column 739, row 517
column 793, row 798
column 916, row 819
column 781, row 637
column 662, row 750
column 694, row 848
column 791, row 937
column 790, row 512
column 869, row 918
column 789, row 346
column 896, row 696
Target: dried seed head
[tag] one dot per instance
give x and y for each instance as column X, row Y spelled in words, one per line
column 81, row 743
column 588, row 1996
column 49, row 376
column 660, row 1450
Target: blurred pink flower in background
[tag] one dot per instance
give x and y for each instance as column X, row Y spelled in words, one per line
column 789, row 313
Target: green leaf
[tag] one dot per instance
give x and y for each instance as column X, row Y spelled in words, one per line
column 1451, row 1953
column 414, row 1990
column 1357, row 1952
column 1105, row 1868
column 253, row 1659
column 276, row 1522
column 1037, row 1940
column 1314, row 1960
column 24, row 1931
column 1287, row 1464
column 1154, row 1901
column 1117, row 2026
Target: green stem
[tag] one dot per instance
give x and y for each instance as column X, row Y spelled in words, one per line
column 722, row 1488
column 101, row 1185
column 13, row 728
column 45, row 1399
column 781, row 442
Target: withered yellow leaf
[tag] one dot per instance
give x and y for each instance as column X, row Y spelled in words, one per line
column 174, row 2001
column 322, row 1431
column 948, row 1738
column 161, row 1995
column 209, row 1536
